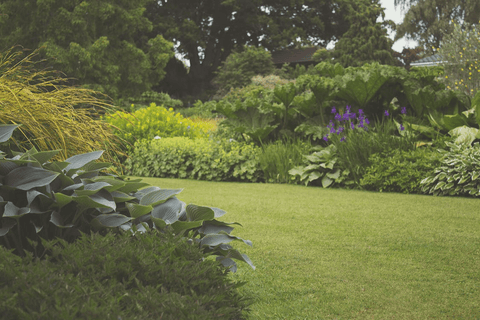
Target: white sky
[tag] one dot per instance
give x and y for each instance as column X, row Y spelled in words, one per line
column 397, row 16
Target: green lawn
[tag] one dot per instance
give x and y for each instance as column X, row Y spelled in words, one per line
column 343, row 254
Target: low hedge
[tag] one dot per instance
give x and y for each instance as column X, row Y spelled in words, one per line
column 201, row 159
column 146, row 276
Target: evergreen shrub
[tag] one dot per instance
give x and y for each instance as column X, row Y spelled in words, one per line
column 202, row 159
column 154, row 275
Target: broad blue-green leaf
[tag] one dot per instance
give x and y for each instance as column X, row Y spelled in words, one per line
column 137, row 210
column 213, row 227
column 159, row 223
column 61, row 200
column 213, row 240
column 185, row 225
column 114, row 183
column 111, row 220
column 232, row 253
column 228, row 263
column 335, row 175
column 132, row 186
column 55, row 166
column 57, row 219
column 218, row 212
column 44, row 156
column 26, row 178
column 168, row 211
column 120, row 196
column 453, row 121
column 7, row 224
column 196, row 213
column 12, row 211
column 73, row 187
column 102, row 199
column 6, row 131
column 38, row 228
column 158, row 196
column 92, row 188
column 80, row 160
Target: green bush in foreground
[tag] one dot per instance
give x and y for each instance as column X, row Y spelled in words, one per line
column 201, row 159
column 400, row 170
column 147, row 276
column 458, row 173
column 43, row 200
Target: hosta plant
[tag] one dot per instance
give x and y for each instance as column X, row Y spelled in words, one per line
column 458, row 173
column 40, row 199
column 321, row 166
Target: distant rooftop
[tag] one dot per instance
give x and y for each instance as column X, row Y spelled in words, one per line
column 294, row 55
column 434, row 60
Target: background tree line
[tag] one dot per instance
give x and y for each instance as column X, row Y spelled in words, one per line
column 124, row 48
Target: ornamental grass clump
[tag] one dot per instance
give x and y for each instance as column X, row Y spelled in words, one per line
column 54, row 116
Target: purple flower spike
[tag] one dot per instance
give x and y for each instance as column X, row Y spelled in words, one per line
column 334, row 110
column 332, row 130
column 366, row 121
column 404, row 110
column 348, row 109
column 325, row 138
column 352, row 126
column 343, row 139
column 386, row 113
column 353, row 116
column 402, row 127
column 360, row 111
column 338, row 117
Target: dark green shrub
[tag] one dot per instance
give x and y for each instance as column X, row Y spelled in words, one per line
column 400, row 170
column 201, row 159
column 44, row 200
column 153, row 275
column 458, row 173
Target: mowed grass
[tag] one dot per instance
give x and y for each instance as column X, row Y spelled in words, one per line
column 345, row 254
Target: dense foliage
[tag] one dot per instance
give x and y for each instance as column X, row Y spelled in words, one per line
column 201, row 159
column 40, row 199
column 147, row 276
column 105, row 45
column 400, row 170
column 458, row 173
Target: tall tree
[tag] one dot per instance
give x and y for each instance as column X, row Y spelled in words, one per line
column 103, row 44
column 206, row 31
column 426, row 21
column 366, row 40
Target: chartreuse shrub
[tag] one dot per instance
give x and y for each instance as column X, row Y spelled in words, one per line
column 201, row 159
column 152, row 121
column 40, row 199
column 400, row 170
column 154, row 275
column 458, row 173
column 54, row 116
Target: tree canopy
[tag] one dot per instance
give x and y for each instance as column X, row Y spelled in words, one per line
column 426, row 21
column 102, row 44
column 366, row 40
column 207, row 31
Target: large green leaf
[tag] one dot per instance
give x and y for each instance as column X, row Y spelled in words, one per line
column 26, row 178
column 92, row 188
column 6, row 131
column 111, row 220
column 12, row 211
column 179, row 226
column 44, row 156
column 58, row 220
column 464, row 134
column 168, row 211
column 120, row 196
column 137, row 210
column 197, row 213
column 7, row 224
column 80, row 160
column 213, row 240
column 159, row 196
column 102, row 199
column 214, row 226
